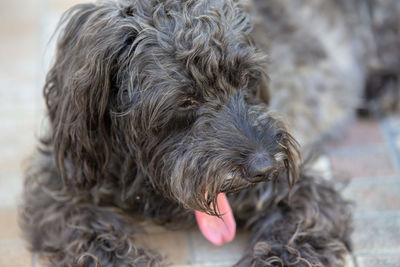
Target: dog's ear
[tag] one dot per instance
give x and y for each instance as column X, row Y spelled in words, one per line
column 79, row 88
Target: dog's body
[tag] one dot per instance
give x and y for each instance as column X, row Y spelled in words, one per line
column 328, row 58
column 158, row 107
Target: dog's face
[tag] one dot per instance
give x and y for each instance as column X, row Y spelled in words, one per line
column 173, row 91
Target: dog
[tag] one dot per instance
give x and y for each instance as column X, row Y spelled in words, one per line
column 169, row 111
column 329, row 61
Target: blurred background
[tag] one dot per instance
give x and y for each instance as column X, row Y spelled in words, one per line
column 25, row 30
column 368, row 153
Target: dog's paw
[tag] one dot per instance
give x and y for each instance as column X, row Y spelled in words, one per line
column 279, row 255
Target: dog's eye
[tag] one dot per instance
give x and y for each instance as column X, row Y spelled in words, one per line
column 188, row 104
column 279, row 137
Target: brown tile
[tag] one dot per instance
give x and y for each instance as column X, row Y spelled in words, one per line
column 8, row 223
column 361, row 133
column 388, row 260
column 374, row 162
column 377, row 195
column 204, row 252
column 14, row 254
column 376, row 233
column 172, row 244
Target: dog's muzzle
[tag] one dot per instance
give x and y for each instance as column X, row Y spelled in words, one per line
column 261, row 168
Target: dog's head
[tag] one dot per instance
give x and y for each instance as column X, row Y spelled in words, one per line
column 173, row 91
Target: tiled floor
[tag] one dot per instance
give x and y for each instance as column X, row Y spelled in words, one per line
column 368, row 155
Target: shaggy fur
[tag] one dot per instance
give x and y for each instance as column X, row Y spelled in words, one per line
column 156, row 106
column 329, row 58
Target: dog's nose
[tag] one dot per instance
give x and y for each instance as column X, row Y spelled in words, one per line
column 259, row 166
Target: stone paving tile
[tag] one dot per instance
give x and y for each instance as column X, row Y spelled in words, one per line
column 362, row 163
column 8, row 223
column 17, row 97
column 19, row 18
column 204, row 252
column 172, row 244
column 361, row 133
column 394, row 122
column 374, row 195
column 63, row 5
column 378, row 232
column 388, row 260
column 350, row 261
column 19, row 30
column 17, row 144
column 21, row 72
column 10, row 190
column 18, row 75
column 14, row 254
column 35, row 261
column 393, row 128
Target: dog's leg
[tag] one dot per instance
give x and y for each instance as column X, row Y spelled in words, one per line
column 72, row 230
column 309, row 226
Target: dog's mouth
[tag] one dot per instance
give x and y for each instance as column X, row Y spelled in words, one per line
column 218, row 229
column 222, row 228
column 215, row 217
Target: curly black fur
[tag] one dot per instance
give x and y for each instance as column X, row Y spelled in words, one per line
column 156, row 107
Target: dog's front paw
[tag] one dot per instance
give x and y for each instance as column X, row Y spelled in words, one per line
column 273, row 254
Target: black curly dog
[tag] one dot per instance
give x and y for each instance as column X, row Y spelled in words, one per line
column 157, row 108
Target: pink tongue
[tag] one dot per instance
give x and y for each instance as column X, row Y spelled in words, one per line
column 218, row 230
